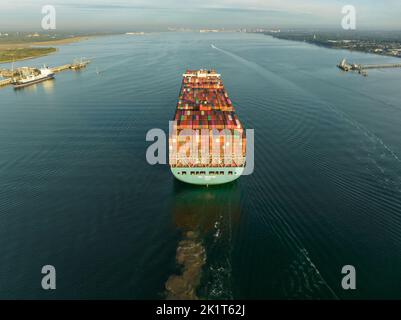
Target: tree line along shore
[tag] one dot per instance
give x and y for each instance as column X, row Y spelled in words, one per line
column 386, row 43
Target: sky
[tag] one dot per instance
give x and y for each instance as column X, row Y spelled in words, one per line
column 144, row 15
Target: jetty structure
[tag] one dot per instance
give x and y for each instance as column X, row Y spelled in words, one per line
column 13, row 75
column 361, row 69
column 6, row 82
column 79, row 64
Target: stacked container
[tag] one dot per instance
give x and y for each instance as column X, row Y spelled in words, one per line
column 204, row 105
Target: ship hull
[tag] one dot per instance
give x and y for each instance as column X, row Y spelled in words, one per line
column 207, row 176
column 23, row 85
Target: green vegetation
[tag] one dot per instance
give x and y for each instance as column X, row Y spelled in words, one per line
column 9, row 55
column 384, row 43
column 32, row 37
column 16, row 46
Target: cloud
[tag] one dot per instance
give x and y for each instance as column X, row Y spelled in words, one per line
column 213, row 12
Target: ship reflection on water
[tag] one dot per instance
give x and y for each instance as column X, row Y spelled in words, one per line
column 48, row 87
column 207, row 218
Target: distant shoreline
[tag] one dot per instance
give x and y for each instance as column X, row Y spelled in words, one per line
column 32, row 50
column 61, row 41
column 331, row 45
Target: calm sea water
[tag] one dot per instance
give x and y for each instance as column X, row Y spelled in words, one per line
column 76, row 191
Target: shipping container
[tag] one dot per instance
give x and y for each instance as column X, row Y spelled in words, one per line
column 204, row 106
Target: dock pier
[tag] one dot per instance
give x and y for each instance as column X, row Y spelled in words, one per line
column 12, row 75
column 6, row 82
column 361, row 69
column 381, row 66
column 61, row 68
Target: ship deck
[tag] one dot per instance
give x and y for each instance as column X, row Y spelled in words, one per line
column 204, row 103
column 204, row 106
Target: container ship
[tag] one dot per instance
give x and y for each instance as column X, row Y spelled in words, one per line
column 207, row 143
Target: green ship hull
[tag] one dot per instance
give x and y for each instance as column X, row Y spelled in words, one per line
column 207, row 176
